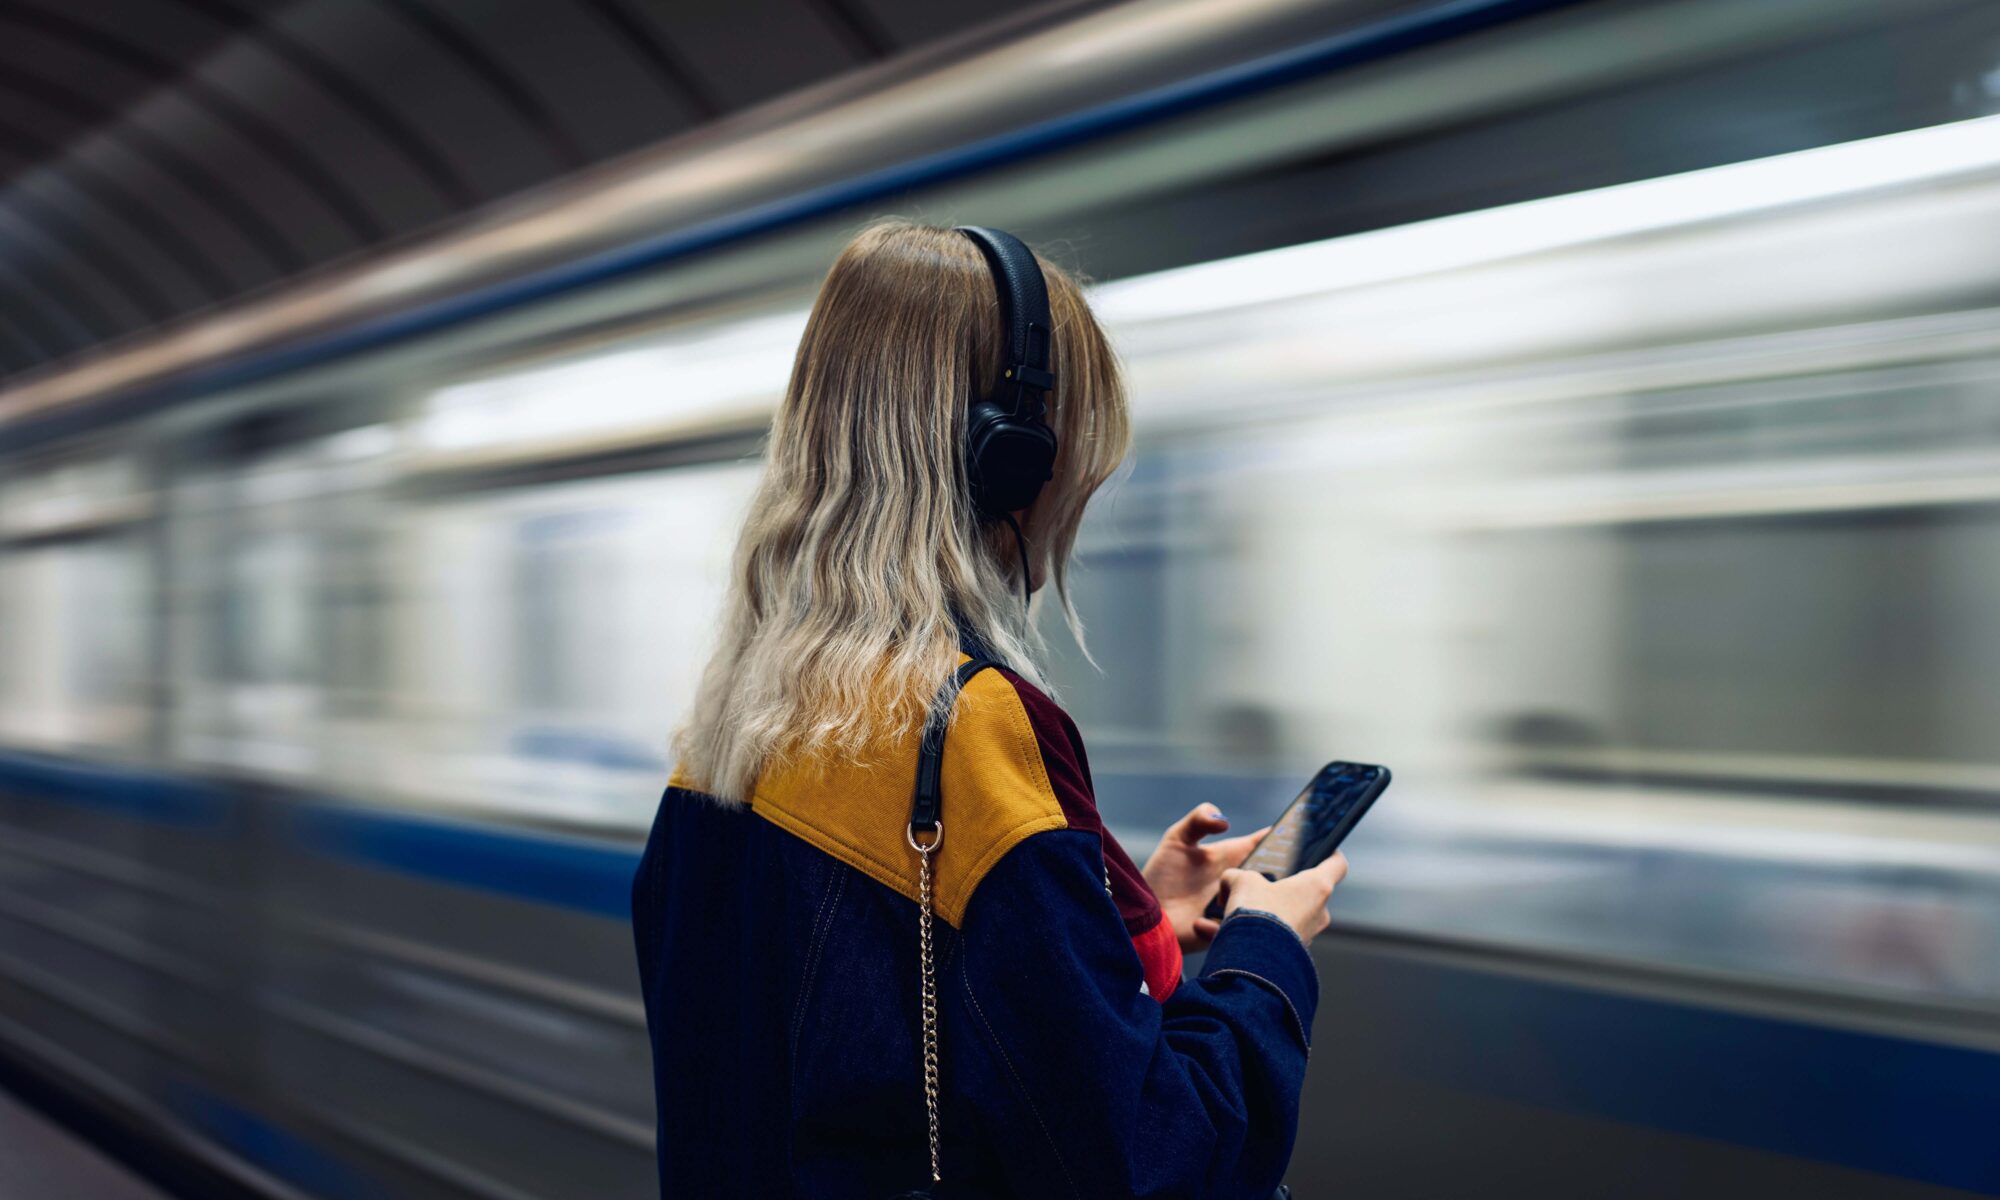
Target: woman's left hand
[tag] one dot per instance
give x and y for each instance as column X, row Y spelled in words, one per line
column 1185, row 874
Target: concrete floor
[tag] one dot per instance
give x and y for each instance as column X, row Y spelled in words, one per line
column 42, row 1161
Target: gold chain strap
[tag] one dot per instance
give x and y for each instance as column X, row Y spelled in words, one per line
column 929, row 990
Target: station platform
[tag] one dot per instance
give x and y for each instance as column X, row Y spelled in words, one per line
column 40, row 1160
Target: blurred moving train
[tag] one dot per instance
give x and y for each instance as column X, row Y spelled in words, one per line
column 1594, row 413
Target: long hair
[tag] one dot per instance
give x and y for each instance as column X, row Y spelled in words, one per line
column 862, row 554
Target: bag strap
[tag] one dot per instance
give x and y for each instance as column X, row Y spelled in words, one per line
column 927, row 822
column 926, row 805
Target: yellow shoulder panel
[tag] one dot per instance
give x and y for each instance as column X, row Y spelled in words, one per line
column 996, row 792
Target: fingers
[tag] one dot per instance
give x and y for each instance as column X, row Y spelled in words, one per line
column 1206, row 929
column 1232, row 851
column 1329, row 873
column 1300, row 900
column 1203, row 820
column 1244, row 887
column 1316, row 886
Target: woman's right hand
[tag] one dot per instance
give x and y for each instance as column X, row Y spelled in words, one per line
column 1298, row 900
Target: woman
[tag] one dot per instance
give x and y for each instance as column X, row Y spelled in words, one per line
column 793, row 911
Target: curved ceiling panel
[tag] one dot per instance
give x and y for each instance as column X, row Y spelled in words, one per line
column 161, row 157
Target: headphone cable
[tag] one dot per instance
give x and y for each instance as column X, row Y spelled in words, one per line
column 1021, row 544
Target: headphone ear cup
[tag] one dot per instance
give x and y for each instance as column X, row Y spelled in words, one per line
column 1007, row 460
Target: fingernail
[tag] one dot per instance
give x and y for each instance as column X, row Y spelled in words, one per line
column 1214, row 813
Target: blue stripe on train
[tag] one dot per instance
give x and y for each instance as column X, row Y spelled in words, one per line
column 1891, row 1105
column 576, row 873
column 1896, row 1106
column 269, row 1146
column 121, row 791
column 1916, row 1110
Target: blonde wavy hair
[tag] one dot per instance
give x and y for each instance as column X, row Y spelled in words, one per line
column 862, row 551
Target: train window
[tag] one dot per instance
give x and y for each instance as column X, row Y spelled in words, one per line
column 267, row 607
column 73, row 602
column 1119, row 585
column 1852, row 635
column 277, row 602
column 564, row 566
column 354, row 610
column 550, row 635
column 1889, row 411
column 73, row 639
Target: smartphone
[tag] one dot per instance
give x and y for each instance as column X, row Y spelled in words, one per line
column 1316, row 822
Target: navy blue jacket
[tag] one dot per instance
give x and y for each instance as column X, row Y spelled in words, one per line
column 777, row 946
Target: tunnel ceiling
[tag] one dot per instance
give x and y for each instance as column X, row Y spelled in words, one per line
column 161, row 157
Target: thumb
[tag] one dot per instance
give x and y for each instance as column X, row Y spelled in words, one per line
column 1201, row 821
column 1234, row 850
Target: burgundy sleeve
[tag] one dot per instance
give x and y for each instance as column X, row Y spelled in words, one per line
column 1153, row 936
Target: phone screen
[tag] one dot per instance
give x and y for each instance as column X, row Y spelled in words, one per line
column 1312, row 828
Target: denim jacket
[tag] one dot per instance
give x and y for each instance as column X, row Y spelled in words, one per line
column 777, row 946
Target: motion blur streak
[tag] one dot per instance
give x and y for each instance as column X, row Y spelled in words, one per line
column 1611, row 450
column 1924, row 155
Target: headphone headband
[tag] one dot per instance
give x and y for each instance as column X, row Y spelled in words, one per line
column 1024, row 314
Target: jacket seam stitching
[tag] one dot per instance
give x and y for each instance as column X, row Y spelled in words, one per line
column 1046, row 823
column 1297, row 1022
column 888, row 875
column 1020, row 1087
column 1029, row 747
column 1028, row 752
column 809, row 833
column 822, row 926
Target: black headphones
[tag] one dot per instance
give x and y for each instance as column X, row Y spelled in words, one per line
column 1010, row 451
